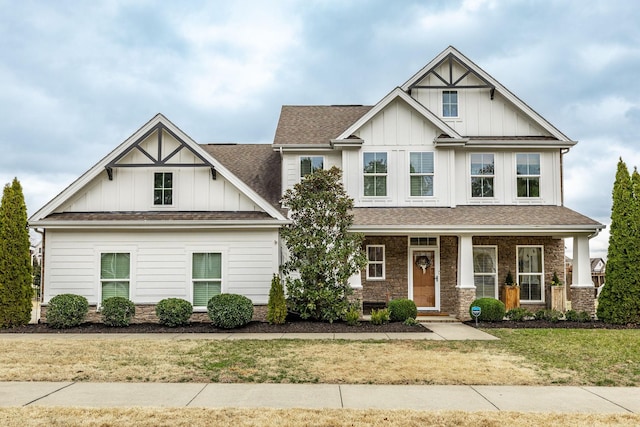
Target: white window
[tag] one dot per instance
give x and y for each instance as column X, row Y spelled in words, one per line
column 421, row 172
column 310, row 164
column 163, row 188
column 530, row 273
column 206, row 274
column 528, row 174
column 375, row 174
column 485, row 271
column 115, row 274
column 375, row 258
column 449, row 103
column 482, row 175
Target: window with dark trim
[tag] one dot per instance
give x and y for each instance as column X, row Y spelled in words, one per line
column 163, row 188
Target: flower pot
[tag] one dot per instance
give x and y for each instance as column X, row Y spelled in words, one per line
column 511, row 297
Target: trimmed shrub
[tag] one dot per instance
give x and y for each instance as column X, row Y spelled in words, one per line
column 230, row 311
column 519, row 314
column 549, row 315
column 277, row 305
column 353, row 316
column 379, row 317
column 491, row 309
column 67, row 311
column 402, row 309
column 174, row 312
column 410, row 321
column 578, row 316
column 117, row 311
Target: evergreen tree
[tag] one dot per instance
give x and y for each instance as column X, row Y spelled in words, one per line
column 323, row 254
column 277, row 305
column 15, row 260
column 619, row 301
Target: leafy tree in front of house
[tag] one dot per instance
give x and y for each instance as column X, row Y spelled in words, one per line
column 619, row 301
column 323, row 254
column 15, row 260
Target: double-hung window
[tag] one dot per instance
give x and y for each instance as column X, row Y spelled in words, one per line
column 449, row 103
column 163, row 188
column 375, row 174
column 485, row 271
column 206, row 274
column 530, row 272
column 115, row 274
column 375, row 259
column 482, row 175
column 528, row 174
column 310, row 164
column 421, row 171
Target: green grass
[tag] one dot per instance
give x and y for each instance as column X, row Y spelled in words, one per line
column 588, row 357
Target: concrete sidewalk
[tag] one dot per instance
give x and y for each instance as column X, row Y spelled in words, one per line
column 439, row 332
column 621, row 400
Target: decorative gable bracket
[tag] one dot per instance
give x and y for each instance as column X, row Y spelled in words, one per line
column 158, row 159
column 448, row 80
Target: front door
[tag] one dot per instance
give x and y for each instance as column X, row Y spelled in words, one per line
column 424, row 278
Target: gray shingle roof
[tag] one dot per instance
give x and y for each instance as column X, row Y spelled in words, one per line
column 159, row 216
column 315, row 124
column 257, row 165
column 470, row 216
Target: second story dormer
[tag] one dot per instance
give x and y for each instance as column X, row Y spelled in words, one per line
column 450, row 135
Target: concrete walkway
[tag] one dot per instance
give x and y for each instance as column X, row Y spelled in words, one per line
column 622, row 400
column 439, row 332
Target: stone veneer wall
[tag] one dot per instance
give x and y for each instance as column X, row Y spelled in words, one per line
column 449, row 295
column 395, row 283
column 582, row 299
column 507, row 259
column 146, row 313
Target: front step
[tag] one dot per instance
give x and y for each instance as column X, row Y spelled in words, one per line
column 436, row 318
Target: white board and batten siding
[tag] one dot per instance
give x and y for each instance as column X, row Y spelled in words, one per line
column 160, row 262
column 291, row 164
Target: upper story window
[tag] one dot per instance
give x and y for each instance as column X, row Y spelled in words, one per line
column 421, row 171
column 310, row 164
column 528, row 174
column 115, row 274
column 482, row 175
column 163, row 188
column 375, row 174
column 449, row 103
column 530, row 272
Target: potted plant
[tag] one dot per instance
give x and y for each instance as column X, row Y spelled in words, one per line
column 510, row 293
column 557, row 293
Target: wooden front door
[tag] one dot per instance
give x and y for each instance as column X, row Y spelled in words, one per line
column 424, row 282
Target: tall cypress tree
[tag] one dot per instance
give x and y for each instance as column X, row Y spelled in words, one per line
column 619, row 301
column 15, row 260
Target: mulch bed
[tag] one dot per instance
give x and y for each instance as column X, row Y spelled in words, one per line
column 252, row 327
column 539, row 324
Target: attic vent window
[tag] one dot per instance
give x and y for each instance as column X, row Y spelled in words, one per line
column 449, row 103
column 163, row 188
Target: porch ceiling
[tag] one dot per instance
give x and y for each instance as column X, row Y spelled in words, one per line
column 485, row 219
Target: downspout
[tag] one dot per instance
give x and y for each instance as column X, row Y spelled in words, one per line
column 563, row 151
column 42, row 233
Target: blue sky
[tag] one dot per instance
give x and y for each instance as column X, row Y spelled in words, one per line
column 79, row 77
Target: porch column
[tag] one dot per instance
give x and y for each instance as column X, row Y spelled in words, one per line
column 582, row 289
column 466, row 288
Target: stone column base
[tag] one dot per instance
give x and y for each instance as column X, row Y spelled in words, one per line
column 465, row 297
column 583, row 299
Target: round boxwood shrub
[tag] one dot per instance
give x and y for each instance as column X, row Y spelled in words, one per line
column 174, row 312
column 230, row 310
column 491, row 309
column 402, row 309
column 117, row 311
column 66, row 311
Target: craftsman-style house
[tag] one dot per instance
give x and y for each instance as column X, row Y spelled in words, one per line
column 456, row 183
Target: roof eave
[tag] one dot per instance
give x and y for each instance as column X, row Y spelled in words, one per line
column 159, row 224
column 503, row 230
